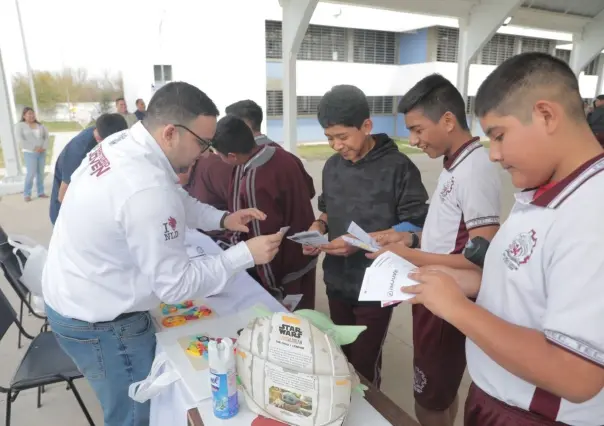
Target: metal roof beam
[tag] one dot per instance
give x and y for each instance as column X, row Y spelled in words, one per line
column 475, row 30
column 296, row 17
column 587, row 43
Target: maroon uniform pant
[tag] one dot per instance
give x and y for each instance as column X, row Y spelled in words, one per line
column 439, row 360
column 365, row 354
column 484, row 410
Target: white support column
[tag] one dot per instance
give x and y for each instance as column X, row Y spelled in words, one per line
column 587, row 44
column 296, row 17
column 9, row 144
column 600, row 78
column 475, row 30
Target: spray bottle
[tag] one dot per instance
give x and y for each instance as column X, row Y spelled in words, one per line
column 223, row 378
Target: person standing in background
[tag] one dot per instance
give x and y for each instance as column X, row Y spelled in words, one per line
column 122, row 108
column 32, row 137
column 141, row 111
column 595, row 118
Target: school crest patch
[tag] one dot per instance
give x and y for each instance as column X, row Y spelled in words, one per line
column 446, row 189
column 419, row 381
column 520, row 250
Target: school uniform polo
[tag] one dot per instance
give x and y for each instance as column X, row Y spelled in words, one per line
column 545, row 270
column 467, row 197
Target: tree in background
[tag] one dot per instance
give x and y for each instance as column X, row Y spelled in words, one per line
column 67, row 86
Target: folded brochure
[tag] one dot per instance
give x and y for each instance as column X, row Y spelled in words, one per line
column 385, row 278
column 309, row 238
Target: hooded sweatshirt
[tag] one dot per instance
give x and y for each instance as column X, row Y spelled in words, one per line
column 380, row 190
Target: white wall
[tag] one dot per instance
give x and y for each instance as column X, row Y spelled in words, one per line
column 218, row 46
column 315, row 77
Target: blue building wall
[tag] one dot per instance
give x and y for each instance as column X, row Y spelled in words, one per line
column 413, row 47
column 309, row 129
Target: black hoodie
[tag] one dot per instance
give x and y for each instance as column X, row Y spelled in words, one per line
column 382, row 189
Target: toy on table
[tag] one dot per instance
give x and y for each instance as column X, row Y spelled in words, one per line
column 194, row 313
column 172, row 309
column 199, row 345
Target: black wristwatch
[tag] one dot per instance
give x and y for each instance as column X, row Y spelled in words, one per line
column 414, row 240
column 224, row 216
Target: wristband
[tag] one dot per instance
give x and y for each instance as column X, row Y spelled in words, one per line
column 414, row 240
column 224, row 216
column 322, row 222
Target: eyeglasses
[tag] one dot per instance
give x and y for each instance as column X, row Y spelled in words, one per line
column 204, row 143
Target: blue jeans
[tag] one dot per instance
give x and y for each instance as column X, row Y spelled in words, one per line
column 111, row 355
column 34, row 168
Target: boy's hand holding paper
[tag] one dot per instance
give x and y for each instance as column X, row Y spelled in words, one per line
column 385, row 278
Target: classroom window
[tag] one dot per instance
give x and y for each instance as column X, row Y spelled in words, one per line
column 273, row 37
column 593, row 66
column 446, row 45
column 320, row 43
column 381, row 104
column 162, row 74
column 308, row 105
column 470, row 105
column 531, row 44
column 498, row 49
column 274, row 103
column 562, row 54
column 374, row 47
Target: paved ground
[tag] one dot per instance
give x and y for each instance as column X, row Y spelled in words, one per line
column 60, row 408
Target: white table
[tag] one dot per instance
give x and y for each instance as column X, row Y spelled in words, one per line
column 171, row 406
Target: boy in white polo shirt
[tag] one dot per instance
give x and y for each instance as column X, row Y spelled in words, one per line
column 535, row 344
column 465, row 204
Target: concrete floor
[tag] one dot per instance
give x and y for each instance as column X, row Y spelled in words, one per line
column 60, row 408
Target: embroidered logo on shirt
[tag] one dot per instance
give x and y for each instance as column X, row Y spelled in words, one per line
column 99, row 164
column 170, row 232
column 117, row 138
column 446, row 189
column 520, row 251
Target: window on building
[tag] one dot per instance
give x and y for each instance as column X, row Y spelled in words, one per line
column 381, row 104
column 274, row 103
column 531, row 44
column 470, row 105
column 374, row 47
column 308, row 105
column 322, row 43
column 162, row 74
column 274, row 37
column 446, row 45
column 593, row 67
column 498, row 49
column 562, row 54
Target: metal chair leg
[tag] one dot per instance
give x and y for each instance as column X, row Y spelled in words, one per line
column 8, row 406
column 82, row 406
column 39, row 396
column 20, row 322
column 29, row 300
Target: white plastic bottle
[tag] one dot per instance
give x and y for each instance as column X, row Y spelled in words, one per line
column 223, row 378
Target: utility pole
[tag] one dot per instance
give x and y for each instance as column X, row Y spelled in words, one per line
column 32, row 87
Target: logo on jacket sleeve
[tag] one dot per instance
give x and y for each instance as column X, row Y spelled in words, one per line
column 170, row 232
column 520, row 250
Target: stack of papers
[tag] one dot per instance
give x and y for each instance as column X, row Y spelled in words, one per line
column 384, row 279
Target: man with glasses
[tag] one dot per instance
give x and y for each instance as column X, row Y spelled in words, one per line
column 118, row 247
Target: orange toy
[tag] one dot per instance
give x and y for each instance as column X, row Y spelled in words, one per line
column 174, row 321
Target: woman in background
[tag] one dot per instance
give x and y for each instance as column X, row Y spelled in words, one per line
column 33, row 139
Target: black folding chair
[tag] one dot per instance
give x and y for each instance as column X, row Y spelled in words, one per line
column 9, row 263
column 44, row 363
